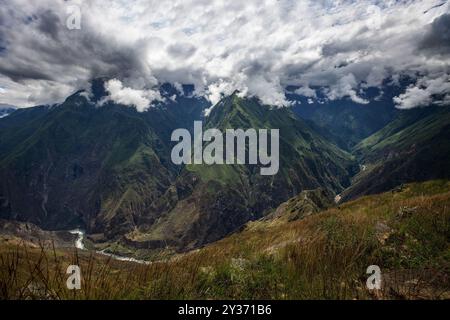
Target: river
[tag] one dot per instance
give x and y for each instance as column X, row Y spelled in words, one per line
column 79, row 244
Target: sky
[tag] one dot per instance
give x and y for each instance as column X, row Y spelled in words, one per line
column 258, row 47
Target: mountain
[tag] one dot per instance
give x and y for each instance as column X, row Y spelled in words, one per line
column 80, row 165
column 207, row 202
column 306, row 203
column 6, row 110
column 108, row 170
column 344, row 121
column 413, row 147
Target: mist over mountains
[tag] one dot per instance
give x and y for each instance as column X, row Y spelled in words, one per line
column 6, row 109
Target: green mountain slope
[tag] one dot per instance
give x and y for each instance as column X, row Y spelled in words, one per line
column 414, row 147
column 208, row 202
column 345, row 122
column 81, row 165
column 108, row 169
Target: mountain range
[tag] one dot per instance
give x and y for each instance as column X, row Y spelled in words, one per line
column 107, row 169
column 6, row 109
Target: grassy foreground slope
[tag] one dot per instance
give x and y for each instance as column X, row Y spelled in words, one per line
column 324, row 255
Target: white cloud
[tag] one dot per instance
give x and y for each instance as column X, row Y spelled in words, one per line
column 218, row 89
column 306, row 91
column 346, row 87
column 141, row 99
column 257, row 47
column 425, row 92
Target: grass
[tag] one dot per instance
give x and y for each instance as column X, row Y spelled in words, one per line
column 398, row 134
column 323, row 256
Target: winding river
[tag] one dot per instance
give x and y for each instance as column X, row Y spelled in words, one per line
column 79, row 244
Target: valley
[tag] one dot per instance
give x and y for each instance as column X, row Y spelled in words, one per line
column 108, row 170
column 224, row 150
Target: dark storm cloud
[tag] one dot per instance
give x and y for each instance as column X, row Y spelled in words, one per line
column 437, row 39
column 343, row 47
column 19, row 73
column 49, row 24
column 68, row 53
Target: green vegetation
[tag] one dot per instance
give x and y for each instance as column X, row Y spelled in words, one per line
column 346, row 123
column 108, row 170
column 414, row 147
column 414, row 127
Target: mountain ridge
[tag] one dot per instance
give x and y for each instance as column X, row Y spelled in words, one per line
column 414, row 147
column 108, row 169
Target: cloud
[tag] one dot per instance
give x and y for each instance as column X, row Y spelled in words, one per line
column 346, row 87
column 256, row 47
column 181, row 50
column 141, row 99
column 217, row 90
column 437, row 38
column 425, row 92
column 50, row 24
column 306, row 92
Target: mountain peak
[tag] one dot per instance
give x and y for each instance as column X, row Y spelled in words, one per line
column 98, row 89
column 236, row 93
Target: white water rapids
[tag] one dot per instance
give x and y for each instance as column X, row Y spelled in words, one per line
column 79, row 244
